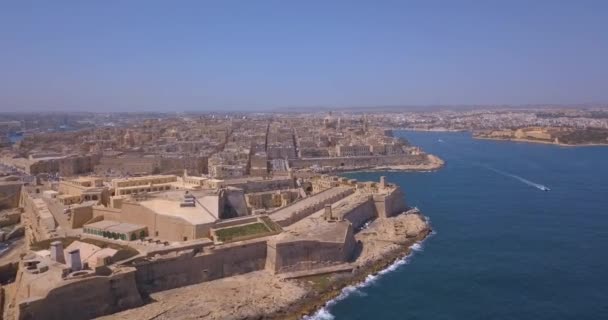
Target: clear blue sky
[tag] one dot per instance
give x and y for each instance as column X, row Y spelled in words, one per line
column 201, row 55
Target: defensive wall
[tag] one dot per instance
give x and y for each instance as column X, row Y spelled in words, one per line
column 307, row 206
column 332, row 243
column 84, row 298
column 189, row 266
column 250, row 185
column 362, row 161
column 10, row 193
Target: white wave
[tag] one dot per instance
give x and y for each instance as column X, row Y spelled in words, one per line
column 322, row 314
column 325, row 314
column 516, row 177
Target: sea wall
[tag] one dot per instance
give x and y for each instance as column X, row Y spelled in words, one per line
column 305, row 255
column 391, row 204
column 308, row 254
column 365, row 161
column 361, row 213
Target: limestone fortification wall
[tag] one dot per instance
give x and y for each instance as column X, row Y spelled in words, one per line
column 190, row 267
column 264, row 185
column 365, row 161
column 80, row 215
column 42, row 221
column 361, row 213
column 85, row 299
column 391, row 204
column 10, row 193
column 309, row 254
column 301, row 209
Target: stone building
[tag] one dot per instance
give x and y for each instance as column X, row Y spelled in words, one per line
column 353, row 150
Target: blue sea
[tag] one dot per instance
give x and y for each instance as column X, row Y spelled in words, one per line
column 502, row 247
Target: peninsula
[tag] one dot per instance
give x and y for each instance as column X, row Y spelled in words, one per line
column 207, row 217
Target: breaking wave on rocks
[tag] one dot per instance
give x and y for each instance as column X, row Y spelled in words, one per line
column 325, row 314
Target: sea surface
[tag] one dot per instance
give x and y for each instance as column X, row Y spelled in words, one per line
column 502, row 247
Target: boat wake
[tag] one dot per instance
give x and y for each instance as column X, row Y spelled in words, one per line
column 325, row 314
column 516, row 177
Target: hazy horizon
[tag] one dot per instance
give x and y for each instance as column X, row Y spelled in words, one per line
column 158, row 56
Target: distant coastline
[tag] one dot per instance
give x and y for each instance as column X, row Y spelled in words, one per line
column 434, row 163
column 431, row 129
column 542, row 142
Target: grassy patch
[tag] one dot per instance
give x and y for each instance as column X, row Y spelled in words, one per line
column 230, row 233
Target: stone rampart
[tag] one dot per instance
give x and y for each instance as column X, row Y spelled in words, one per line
column 10, row 193
column 190, row 267
column 84, row 299
column 307, row 206
column 307, row 254
column 364, row 161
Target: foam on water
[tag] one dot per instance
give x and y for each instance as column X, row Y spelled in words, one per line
column 325, row 314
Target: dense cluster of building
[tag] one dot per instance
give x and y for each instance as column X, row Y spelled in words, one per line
column 111, row 213
column 217, row 147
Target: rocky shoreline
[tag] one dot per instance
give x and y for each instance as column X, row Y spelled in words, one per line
column 314, row 301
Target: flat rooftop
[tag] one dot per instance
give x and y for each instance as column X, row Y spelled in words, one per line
column 317, row 230
column 144, row 178
column 206, row 209
column 113, row 226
